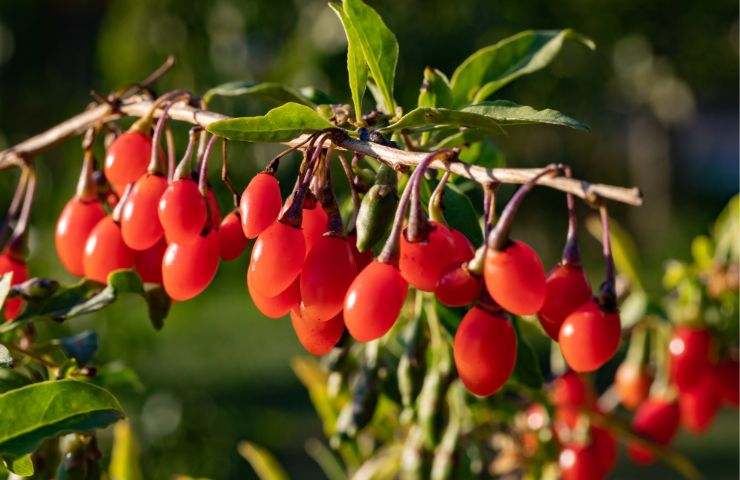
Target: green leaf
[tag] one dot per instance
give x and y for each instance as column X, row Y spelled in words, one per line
column 486, row 116
column 275, row 92
column 378, row 44
column 527, row 369
column 21, row 466
column 5, row 287
column 492, row 67
column 11, row 379
column 158, row 303
column 124, row 458
column 357, row 70
column 460, row 214
column 435, row 89
column 280, row 124
column 263, row 463
column 118, row 377
column 485, row 154
column 316, row 96
column 47, row 409
column 624, row 251
column 312, row 377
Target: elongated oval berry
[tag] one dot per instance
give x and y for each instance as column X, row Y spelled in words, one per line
column 148, row 263
column 728, row 372
column 423, row 263
column 700, row 403
column 656, row 419
column 139, row 221
column 580, row 462
column 374, row 300
column 127, row 158
column 317, row 337
column 105, row 251
column 313, row 225
column 689, row 355
column 485, row 351
column 231, row 238
column 277, row 258
column 9, row 263
column 182, row 211
column 462, row 249
column 603, row 441
column 326, row 275
column 458, row 287
column 260, row 204
column 589, row 337
column 515, row 278
column 571, row 394
column 213, row 208
column 75, row 223
column 566, row 289
column 632, row 383
column 279, row 305
column 188, row 268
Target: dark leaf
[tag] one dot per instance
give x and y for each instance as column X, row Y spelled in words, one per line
column 275, row 92
column 527, row 370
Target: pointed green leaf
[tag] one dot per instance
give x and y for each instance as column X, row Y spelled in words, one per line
column 47, row 409
column 485, row 154
column 21, row 466
column 378, row 44
column 357, row 70
column 527, row 369
column 460, row 214
column 275, row 92
column 624, row 251
column 11, row 379
column 262, row 461
column 280, row 124
column 485, row 116
column 435, row 89
column 492, row 67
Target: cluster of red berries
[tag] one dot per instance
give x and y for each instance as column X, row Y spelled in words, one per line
column 12, row 261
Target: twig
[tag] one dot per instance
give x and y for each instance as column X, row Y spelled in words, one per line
column 140, row 106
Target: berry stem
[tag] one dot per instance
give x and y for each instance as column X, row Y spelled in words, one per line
column 25, row 211
column 87, row 188
column 607, row 294
column 499, row 236
column 156, row 165
column 571, row 252
column 118, row 210
column 328, row 199
column 418, row 229
column 292, row 213
column 436, row 207
column 182, row 170
column 356, row 201
column 171, row 152
column 203, row 170
column 225, row 172
column 489, row 206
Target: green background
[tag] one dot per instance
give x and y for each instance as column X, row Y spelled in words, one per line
column 660, row 94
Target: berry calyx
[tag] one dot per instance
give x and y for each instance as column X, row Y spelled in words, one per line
column 277, row 258
column 374, row 300
column 515, row 278
column 326, row 275
column 656, row 419
column 279, row 305
column 77, row 220
column 188, row 268
column 231, row 239
column 182, row 211
column 589, row 337
column 566, row 289
column 105, row 251
column 140, row 224
column 485, row 351
column 317, row 337
column 689, row 350
column 260, row 204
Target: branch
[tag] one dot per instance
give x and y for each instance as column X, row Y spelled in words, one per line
column 139, row 106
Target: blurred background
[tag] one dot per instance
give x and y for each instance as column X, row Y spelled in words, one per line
column 660, row 93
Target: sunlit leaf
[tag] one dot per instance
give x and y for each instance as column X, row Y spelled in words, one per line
column 357, row 70
column 435, row 89
column 263, row 463
column 484, row 154
column 47, row 409
column 280, row 124
column 21, row 466
column 492, row 67
column 275, row 92
column 124, row 458
column 626, row 258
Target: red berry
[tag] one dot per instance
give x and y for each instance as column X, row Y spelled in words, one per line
column 458, row 287
column 689, row 350
column 485, row 351
column 728, row 372
column 605, row 445
column 73, row 227
column 632, row 383
column 317, row 337
column 423, row 263
column 260, row 204
column 182, row 211
column 277, row 258
column 571, row 394
column 515, row 278
column 139, row 222
column 231, row 237
column 327, row 273
column 9, row 263
column 127, row 158
column 589, row 337
column 700, row 403
column 566, row 290
column 463, row 250
column 374, row 300
column 580, row 462
column 148, row 263
column 213, row 208
column 313, row 225
column 279, row 305
column 188, row 268
column 657, row 420
column 362, row 259
column 105, row 251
